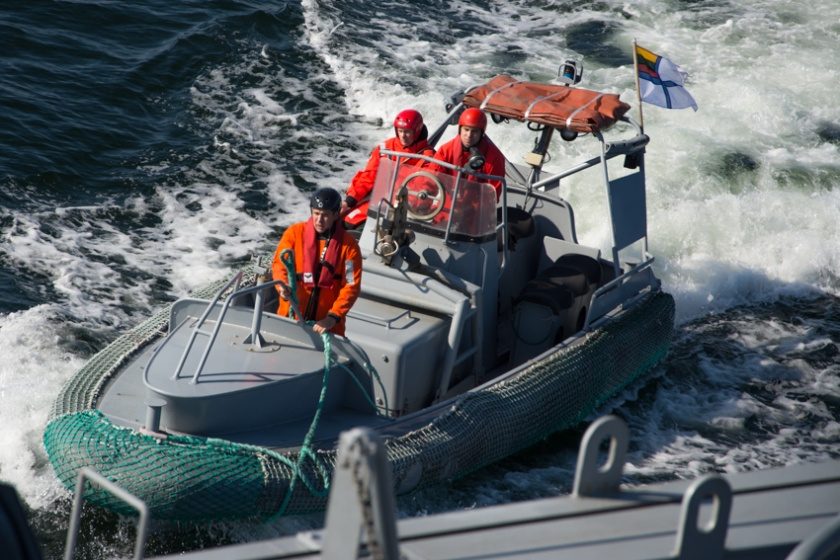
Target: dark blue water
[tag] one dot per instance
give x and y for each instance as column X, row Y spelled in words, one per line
column 148, row 148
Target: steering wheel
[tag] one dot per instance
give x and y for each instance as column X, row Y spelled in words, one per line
column 425, row 200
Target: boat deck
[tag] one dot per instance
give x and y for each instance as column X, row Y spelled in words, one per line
column 124, row 403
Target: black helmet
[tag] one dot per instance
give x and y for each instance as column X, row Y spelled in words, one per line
column 326, row 198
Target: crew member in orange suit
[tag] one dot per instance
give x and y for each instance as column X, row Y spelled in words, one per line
column 328, row 265
column 471, row 142
column 410, row 138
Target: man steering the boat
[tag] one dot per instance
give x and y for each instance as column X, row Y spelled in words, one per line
column 410, row 137
column 472, row 149
column 327, row 265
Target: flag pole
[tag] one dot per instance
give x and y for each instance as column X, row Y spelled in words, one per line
column 638, row 87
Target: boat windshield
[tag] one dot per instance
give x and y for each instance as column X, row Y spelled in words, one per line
column 438, row 201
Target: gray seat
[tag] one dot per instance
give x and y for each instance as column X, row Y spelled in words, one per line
column 589, row 267
column 520, row 225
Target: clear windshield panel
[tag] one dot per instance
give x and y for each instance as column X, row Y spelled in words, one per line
column 433, row 201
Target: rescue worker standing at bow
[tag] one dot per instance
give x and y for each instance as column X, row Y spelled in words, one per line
column 470, row 142
column 410, row 138
column 328, row 265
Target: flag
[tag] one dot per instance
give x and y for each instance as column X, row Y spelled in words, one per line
column 661, row 81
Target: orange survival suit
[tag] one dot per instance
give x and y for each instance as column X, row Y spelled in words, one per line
column 330, row 269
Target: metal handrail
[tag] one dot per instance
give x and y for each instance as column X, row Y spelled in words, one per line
column 88, row 474
column 255, row 324
column 236, row 279
column 612, row 284
column 819, row 545
column 611, row 150
column 223, row 312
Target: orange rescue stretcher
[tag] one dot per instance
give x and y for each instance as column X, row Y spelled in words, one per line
column 579, row 110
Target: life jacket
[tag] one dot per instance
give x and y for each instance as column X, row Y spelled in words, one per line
column 324, row 263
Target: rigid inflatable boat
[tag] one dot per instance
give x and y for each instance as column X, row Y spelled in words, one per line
column 483, row 326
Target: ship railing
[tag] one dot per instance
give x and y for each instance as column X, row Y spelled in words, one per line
column 89, row 475
column 361, row 518
column 820, row 545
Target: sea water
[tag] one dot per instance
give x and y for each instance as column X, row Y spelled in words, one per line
column 150, row 148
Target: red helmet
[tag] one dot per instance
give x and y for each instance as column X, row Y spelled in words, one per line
column 473, row 117
column 410, row 119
